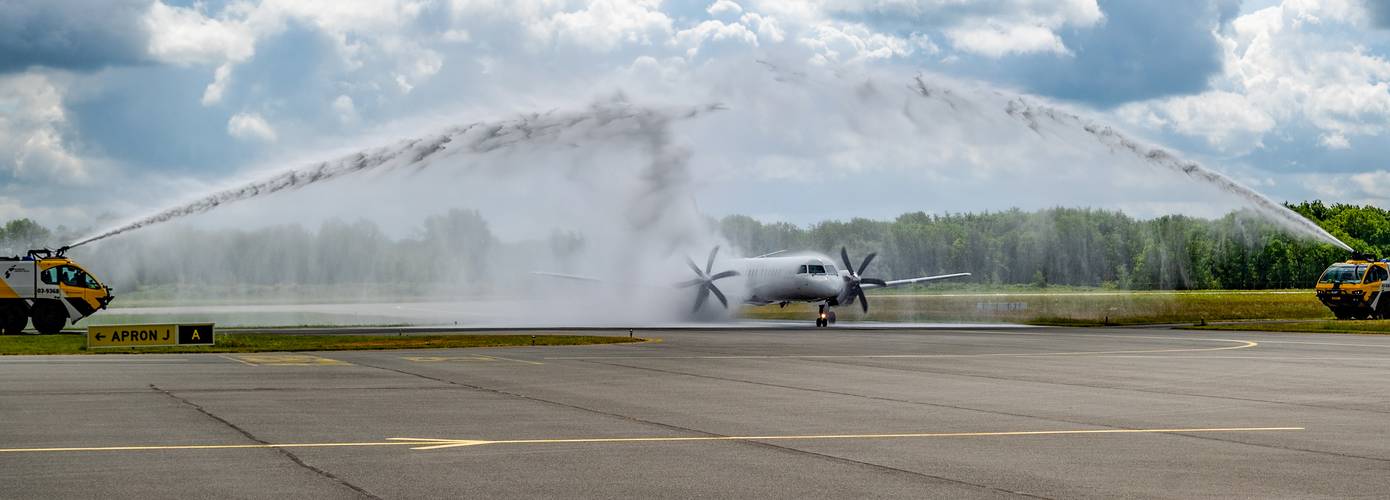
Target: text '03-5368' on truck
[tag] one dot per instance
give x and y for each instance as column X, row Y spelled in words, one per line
column 1355, row 289
column 48, row 288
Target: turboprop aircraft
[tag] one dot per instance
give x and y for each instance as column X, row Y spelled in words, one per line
column 781, row 278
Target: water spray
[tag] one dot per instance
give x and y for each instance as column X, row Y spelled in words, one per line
column 1035, row 117
column 604, row 121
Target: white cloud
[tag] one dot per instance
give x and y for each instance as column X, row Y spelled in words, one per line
column 1298, row 63
column 716, row 31
column 834, row 42
column 182, row 35
column 213, row 93
column 1372, row 183
column 997, row 40
column 1334, row 140
column 358, row 29
column 32, row 124
column 457, row 36
column 1229, row 122
column 604, row 24
column 766, row 27
column 991, row 28
column 721, row 8
column 250, row 127
column 346, row 110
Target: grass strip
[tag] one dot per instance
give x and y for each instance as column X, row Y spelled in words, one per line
column 1065, row 308
column 74, row 344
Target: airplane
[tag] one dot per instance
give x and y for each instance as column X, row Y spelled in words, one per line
column 780, row 278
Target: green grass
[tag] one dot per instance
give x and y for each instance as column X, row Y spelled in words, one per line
column 1073, row 307
column 1381, row 327
column 73, row 344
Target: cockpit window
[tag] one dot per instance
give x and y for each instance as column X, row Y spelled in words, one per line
column 816, row 269
column 802, row 270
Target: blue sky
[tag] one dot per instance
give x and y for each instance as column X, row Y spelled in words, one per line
column 109, row 110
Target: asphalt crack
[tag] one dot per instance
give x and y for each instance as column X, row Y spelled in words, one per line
column 763, row 444
column 966, row 408
column 286, row 453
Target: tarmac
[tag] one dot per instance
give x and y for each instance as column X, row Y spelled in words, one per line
column 938, row 412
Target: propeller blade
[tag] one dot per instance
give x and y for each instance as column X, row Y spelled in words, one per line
column 863, row 301
column 719, row 295
column 724, row 274
column 709, row 264
column 867, row 259
column 694, row 267
column 844, row 254
column 700, row 299
column 873, row 281
column 688, row 284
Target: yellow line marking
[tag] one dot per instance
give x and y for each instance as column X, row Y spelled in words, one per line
column 198, row 447
column 244, row 362
column 439, row 359
column 1244, row 345
column 437, row 444
column 474, row 357
column 290, row 359
column 511, row 359
column 1323, row 343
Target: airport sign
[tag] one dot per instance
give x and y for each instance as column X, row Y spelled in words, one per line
column 162, row 335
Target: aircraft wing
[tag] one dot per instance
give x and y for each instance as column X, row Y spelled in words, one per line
column 596, row 281
column 924, row 279
column 574, row 277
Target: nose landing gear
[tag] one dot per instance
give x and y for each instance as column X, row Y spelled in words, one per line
column 825, row 317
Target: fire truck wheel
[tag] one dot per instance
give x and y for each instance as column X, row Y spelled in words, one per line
column 13, row 316
column 49, row 317
column 1341, row 314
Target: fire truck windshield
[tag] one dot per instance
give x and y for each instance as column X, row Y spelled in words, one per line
column 1343, row 273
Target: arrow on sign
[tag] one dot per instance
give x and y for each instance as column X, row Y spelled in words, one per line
column 100, row 336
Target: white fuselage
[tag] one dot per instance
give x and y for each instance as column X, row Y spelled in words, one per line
column 804, row 277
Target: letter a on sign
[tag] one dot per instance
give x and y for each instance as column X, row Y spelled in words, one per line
column 196, row 334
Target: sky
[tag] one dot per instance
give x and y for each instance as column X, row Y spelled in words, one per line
column 112, row 110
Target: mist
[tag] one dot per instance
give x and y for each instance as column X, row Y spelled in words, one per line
column 639, row 180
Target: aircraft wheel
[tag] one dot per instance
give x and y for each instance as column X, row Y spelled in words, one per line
column 49, row 317
column 830, row 318
column 13, row 316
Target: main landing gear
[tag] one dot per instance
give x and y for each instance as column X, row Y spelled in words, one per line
column 825, row 317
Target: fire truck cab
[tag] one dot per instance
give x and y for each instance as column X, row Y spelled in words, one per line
column 48, row 288
column 1355, row 289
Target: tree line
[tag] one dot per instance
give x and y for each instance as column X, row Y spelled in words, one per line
column 1085, row 247
column 1058, row 246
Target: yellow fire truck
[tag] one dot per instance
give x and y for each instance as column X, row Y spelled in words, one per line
column 49, row 288
column 1355, row 289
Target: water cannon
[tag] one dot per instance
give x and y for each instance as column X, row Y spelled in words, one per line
column 1355, row 255
column 44, row 253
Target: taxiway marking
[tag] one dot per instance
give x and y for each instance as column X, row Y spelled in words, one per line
column 471, row 358
column 289, row 360
column 1244, row 344
column 438, row 444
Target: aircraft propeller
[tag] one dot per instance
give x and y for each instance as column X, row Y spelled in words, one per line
column 853, row 280
column 705, row 281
